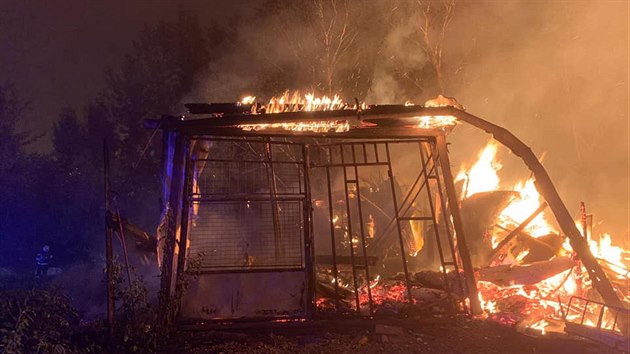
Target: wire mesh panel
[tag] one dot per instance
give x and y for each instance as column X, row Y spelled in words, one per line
column 248, row 207
column 243, row 235
column 247, row 179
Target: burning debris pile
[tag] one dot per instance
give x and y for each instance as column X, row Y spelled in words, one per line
column 527, row 270
column 527, row 273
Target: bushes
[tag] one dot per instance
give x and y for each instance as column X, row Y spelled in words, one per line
column 137, row 328
column 43, row 321
column 38, row 321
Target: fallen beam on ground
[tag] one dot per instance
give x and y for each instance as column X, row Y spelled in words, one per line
column 525, row 274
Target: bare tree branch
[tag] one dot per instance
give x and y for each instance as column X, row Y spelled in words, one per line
column 433, row 30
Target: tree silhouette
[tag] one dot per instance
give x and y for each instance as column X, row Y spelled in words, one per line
column 160, row 69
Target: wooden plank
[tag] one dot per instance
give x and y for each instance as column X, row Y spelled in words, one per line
column 525, row 274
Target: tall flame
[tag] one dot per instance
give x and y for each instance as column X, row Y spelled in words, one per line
column 296, row 102
column 482, row 176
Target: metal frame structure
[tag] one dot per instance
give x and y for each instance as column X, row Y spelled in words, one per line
column 385, row 126
column 581, row 306
column 578, row 308
column 364, row 153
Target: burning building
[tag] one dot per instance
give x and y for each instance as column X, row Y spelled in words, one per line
column 308, row 206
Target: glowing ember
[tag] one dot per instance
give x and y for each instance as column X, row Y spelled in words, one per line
column 381, row 294
column 436, row 121
column 317, row 127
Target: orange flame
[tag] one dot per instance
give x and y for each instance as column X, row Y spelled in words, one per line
column 545, row 297
column 518, row 210
column 317, row 127
column 427, row 122
column 296, row 102
column 482, row 176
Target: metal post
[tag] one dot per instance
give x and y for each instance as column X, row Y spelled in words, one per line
column 332, row 239
column 189, row 168
column 447, row 225
column 432, row 208
column 175, row 200
column 273, row 192
column 458, row 224
column 361, row 229
column 349, row 220
column 308, row 234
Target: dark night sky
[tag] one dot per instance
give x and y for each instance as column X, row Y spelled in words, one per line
column 54, row 52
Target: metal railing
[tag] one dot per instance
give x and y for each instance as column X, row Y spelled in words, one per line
column 588, row 310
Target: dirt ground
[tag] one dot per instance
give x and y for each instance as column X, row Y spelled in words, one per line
column 420, row 335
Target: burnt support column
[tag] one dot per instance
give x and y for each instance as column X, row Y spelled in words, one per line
column 309, row 246
column 451, row 195
column 185, row 221
column 175, row 202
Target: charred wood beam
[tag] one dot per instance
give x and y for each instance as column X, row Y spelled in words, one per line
column 390, row 113
column 182, row 243
column 143, row 239
column 480, row 212
column 215, row 108
column 542, row 248
column 175, row 202
column 358, row 133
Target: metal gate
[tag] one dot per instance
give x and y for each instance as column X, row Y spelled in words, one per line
column 375, row 225
column 248, row 225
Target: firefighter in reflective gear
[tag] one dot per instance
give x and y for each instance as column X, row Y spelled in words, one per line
column 42, row 261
